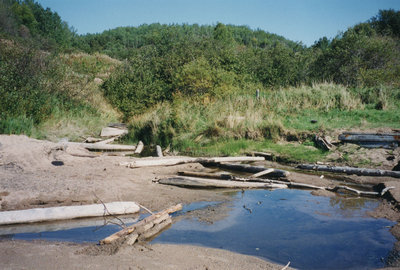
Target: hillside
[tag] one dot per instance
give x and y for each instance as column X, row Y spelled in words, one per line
column 193, row 87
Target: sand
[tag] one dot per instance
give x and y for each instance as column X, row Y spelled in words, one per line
column 36, row 173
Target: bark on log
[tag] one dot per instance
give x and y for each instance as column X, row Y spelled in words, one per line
column 138, row 163
column 195, row 182
column 67, row 212
column 250, row 169
column 349, row 170
column 143, row 222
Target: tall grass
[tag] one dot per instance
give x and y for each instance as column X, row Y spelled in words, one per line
column 200, row 126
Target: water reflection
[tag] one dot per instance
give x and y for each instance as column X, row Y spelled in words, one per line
column 292, row 225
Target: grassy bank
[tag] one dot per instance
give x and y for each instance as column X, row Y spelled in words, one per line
column 240, row 123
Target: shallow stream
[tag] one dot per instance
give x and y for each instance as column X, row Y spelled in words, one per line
column 311, row 232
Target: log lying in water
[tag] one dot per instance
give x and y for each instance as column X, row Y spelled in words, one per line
column 138, row 163
column 269, row 181
column 250, row 169
column 349, row 170
column 196, row 182
column 143, row 225
column 67, row 212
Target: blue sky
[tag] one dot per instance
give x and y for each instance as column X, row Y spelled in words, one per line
column 297, row 20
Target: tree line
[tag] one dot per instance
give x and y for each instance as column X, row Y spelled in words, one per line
column 161, row 61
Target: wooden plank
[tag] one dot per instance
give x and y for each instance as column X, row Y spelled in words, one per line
column 350, row 170
column 195, row 182
column 67, row 212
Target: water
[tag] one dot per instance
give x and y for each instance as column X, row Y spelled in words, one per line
column 281, row 226
column 292, row 225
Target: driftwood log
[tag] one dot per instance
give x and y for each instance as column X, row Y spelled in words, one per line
column 99, row 146
column 144, row 162
column 291, row 184
column 206, row 175
column 349, row 170
column 139, row 148
column 196, row 182
column 250, row 169
column 67, row 212
column 372, row 140
column 143, row 226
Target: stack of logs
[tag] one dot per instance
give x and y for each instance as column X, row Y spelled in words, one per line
column 144, row 229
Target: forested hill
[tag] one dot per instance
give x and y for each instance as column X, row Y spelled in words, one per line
column 40, row 53
column 117, row 42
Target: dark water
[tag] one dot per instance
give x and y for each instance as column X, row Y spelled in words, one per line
column 281, row 226
column 292, row 225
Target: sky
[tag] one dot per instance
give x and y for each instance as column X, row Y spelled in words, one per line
column 303, row 21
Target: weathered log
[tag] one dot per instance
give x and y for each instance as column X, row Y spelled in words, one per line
column 139, row 148
column 323, row 143
column 206, row 175
column 195, row 182
column 159, row 151
column 262, row 173
column 65, row 224
column 67, row 212
column 112, row 131
column 349, row 170
column 250, row 169
column 372, row 140
column 305, row 186
column 157, row 228
column 358, row 192
column 106, row 141
column 145, row 162
column 100, row 146
column 131, row 239
column 140, row 224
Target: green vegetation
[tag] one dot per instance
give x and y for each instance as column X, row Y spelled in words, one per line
column 193, row 87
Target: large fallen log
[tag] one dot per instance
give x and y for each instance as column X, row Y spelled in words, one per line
column 144, row 162
column 249, row 169
column 100, row 146
column 67, row 212
column 289, row 184
column 195, row 182
column 65, row 224
column 372, row 140
column 206, row 175
column 349, row 170
column 143, row 225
